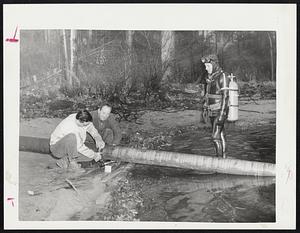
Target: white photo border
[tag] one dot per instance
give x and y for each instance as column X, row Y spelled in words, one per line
column 272, row 17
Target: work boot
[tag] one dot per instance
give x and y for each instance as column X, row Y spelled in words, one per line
column 63, row 162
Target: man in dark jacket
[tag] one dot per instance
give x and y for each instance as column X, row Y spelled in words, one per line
column 106, row 125
column 217, row 101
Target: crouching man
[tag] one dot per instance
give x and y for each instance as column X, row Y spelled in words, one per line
column 106, row 125
column 67, row 140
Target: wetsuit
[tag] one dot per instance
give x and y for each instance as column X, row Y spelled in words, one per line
column 216, row 107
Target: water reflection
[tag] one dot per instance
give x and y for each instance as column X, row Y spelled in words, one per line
column 256, row 144
column 182, row 195
column 173, row 194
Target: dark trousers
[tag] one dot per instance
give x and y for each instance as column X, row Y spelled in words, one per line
column 67, row 146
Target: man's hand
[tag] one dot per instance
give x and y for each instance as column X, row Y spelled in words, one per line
column 100, row 144
column 97, row 156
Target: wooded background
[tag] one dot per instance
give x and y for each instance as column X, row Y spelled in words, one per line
column 106, row 63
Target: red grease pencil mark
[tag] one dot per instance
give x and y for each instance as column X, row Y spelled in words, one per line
column 14, row 38
column 290, row 175
column 11, row 199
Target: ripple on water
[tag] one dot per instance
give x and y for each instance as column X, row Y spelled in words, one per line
column 173, row 194
column 187, row 196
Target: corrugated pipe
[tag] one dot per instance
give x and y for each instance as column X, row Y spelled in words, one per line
column 165, row 158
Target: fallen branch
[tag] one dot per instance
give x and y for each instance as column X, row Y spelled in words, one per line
column 48, row 77
column 70, row 183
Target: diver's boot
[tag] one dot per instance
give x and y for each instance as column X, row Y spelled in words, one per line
column 224, row 155
column 223, row 141
column 218, row 148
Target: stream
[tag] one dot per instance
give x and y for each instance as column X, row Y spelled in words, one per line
column 182, row 195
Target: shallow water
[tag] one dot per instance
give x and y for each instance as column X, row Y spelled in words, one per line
column 183, row 195
column 255, row 144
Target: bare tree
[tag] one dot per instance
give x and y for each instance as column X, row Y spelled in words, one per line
column 272, row 60
column 128, row 61
column 46, row 36
column 224, row 38
column 66, row 55
column 167, row 56
column 216, row 42
column 90, row 39
column 73, row 59
column 90, row 34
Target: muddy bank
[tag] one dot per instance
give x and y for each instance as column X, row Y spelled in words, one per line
column 48, row 193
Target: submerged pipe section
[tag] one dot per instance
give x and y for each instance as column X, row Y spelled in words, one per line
column 165, row 158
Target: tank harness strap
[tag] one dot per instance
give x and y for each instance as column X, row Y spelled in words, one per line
column 224, row 77
column 215, row 106
column 225, row 84
column 214, row 96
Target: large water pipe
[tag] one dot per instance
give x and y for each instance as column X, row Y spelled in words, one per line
column 166, row 158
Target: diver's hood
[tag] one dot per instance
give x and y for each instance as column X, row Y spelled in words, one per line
column 212, row 59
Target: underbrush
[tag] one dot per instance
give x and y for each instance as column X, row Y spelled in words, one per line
column 64, row 102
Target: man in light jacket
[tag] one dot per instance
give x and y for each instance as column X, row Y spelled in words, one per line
column 67, row 140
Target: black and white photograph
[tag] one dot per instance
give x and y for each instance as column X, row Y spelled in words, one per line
column 144, row 125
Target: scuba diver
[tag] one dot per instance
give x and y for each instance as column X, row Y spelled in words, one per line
column 216, row 105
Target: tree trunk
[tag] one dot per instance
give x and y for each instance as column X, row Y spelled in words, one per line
column 216, row 43
column 238, row 45
column 167, row 58
column 271, row 57
column 205, row 35
column 90, row 39
column 66, row 55
column 46, row 36
column 192, row 67
column 223, row 43
column 59, row 55
column 128, row 61
column 90, row 34
column 49, row 36
column 224, row 38
column 201, row 36
column 73, row 56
